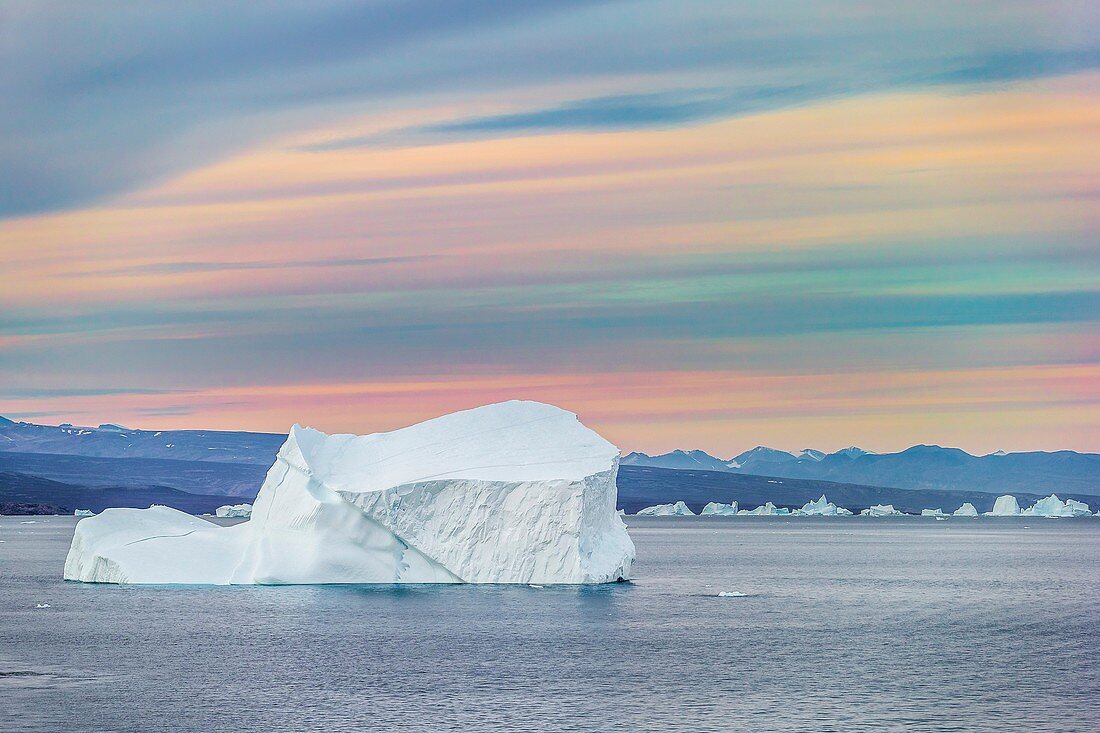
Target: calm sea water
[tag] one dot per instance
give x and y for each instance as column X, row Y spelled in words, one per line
column 849, row 624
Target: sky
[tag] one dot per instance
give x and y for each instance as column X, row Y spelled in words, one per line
column 696, row 224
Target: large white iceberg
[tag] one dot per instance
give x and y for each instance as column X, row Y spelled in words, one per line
column 517, row 492
column 881, row 510
column 1005, row 506
column 83, row 513
column 679, row 509
column 821, row 508
column 966, row 510
column 719, row 509
column 765, row 510
column 234, row 510
column 937, row 513
column 1052, row 506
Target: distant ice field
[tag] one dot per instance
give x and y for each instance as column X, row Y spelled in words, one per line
column 826, row 625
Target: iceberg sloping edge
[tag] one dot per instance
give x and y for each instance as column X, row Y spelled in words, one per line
column 516, row 492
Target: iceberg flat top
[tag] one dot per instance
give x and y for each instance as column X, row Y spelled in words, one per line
column 509, row 441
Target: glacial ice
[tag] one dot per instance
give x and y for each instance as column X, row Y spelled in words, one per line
column 234, row 510
column 1005, row 506
column 933, row 513
column 1052, row 506
column 679, row 509
column 966, row 510
column 821, row 508
column 766, row 510
column 516, row 492
column 719, row 509
column 83, row 513
column 881, row 510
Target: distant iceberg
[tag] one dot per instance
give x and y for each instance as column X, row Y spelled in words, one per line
column 767, row 510
column 517, row 492
column 234, row 510
column 821, row 508
column 719, row 509
column 933, row 513
column 83, row 513
column 1005, row 506
column 1052, row 506
column 679, row 509
column 966, row 510
column 881, row 510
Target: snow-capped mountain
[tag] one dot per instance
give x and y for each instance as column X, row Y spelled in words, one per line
column 695, row 459
column 920, row 467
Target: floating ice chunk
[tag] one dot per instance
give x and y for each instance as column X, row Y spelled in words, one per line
column 1005, row 506
column 234, row 510
column 719, row 509
column 83, row 513
column 1052, row 506
column 679, row 509
column 1077, row 508
column 820, row 508
column 937, row 513
column 517, row 492
column 766, row 510
column 42, row 605
column 881, row 510
column 966, row 510
column 731, row 594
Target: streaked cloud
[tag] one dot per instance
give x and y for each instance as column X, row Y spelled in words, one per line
column 697, row 224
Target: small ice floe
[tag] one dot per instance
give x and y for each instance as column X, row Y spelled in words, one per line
column 719, row 509
column 235, row 511
column 29, row 521
column 881, row 510
column 42, row 605
column 83, row 513
column 731, row 594
column 532, row 585
column 679, row 509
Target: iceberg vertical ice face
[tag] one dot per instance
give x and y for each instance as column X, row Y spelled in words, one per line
column 517, row 492
column 1005, row 506
column 966, row 510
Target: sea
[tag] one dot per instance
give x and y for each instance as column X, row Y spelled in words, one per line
column 827, row 624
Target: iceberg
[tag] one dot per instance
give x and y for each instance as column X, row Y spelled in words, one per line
column 767, row 510
column 516, row 492
column 966, row 510
column 234, row 510
column 719, row 509
column 679, row 509
column 937, row 513
column 821, row 508
column 1005, row 506
column 83, row 513
column 1052, row 506
column 881, row 510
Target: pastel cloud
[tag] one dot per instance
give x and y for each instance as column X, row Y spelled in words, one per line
column 789, row 225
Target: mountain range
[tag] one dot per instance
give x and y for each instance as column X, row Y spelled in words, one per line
column 111, row 465
column 922, row 467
